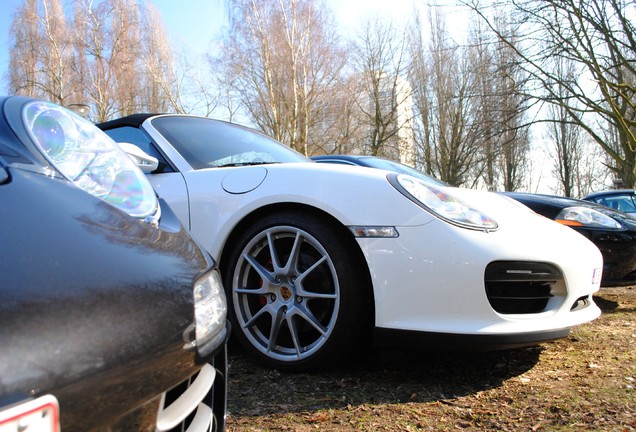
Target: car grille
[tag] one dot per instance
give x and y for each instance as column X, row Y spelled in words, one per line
column 518, row 287
column 198, row 404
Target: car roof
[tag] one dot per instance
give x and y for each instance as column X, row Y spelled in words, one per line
column 345, row 157
column 611, row 192
column 134, row 120
column 555, row 200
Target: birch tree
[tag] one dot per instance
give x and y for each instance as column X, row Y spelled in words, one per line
column 384, row 97
column 106, row 54
column 41, row 59
column 282, row 62
column 444, row 92
column 512, row 133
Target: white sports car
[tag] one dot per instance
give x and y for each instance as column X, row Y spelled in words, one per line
column 318, row 258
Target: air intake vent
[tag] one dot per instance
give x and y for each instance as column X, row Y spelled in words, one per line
column 519, row 287
column 198, row 404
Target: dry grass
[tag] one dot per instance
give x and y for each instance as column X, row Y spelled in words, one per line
column 586, row 382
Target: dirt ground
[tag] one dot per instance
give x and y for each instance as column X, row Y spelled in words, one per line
column 585, row 382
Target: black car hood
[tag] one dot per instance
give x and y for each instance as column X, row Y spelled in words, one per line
column 551, row 205
column 93, row 302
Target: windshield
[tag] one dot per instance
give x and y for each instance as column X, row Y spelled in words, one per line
column 208, row 143
column 625, row 203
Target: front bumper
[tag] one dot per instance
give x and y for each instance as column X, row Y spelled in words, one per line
column 619, row 256
column 198, row 404
column 397, row 339
column 431, row 279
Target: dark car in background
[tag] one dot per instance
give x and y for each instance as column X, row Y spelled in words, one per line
column 619, row 199
column 612, row 231
column 111, row 316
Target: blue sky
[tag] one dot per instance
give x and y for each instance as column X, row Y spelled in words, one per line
column 195, row 25
column 7, row 8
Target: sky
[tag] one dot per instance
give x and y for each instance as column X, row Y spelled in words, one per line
column 7, row 8
column 194, row 26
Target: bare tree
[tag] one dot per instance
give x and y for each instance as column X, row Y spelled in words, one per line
column 105, row 37
column 341, row 123
column 565, row 136
column 41, row 58
column 513, row 130
column 444, row 87
column 127, row 64
column 282, row 61
column 162, row 88
column 384, row 97
column 108, row 55
column 499, row 110
column 599, row 37
column 483, row 59
column 25, row 45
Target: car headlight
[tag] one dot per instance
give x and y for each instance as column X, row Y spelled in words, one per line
column 441, row 203
column 90, row 159
column 586, row 217
column 210, row 312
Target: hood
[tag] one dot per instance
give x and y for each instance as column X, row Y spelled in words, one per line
column 551, row 205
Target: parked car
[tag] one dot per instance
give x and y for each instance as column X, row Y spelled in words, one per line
column 317, row 257
column 612, row 231
column 377, row 162
column 623, row 200
column 111, row 315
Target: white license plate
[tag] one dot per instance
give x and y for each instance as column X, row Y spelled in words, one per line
column 37, row 415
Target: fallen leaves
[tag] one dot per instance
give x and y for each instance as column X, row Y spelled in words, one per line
column 585, row 382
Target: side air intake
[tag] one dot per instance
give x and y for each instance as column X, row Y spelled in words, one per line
column 519, row 287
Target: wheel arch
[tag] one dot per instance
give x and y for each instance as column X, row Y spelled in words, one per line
column 278, row 208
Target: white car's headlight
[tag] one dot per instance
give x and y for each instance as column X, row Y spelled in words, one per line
column 441, row 203
column 587, row 217
column 90, row 159
column 210, row 312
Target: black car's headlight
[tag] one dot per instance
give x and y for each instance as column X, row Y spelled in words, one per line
column 90, row 159
column 210, row 312
column 441, row 203
column 586, row 217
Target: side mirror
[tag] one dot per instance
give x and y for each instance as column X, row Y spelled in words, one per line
column 143, row 160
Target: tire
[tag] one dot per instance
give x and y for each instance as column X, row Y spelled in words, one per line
column 298, row 292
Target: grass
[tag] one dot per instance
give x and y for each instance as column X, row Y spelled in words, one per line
column 585, row 382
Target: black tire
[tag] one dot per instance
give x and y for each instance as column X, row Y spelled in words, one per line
column 299, row 295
